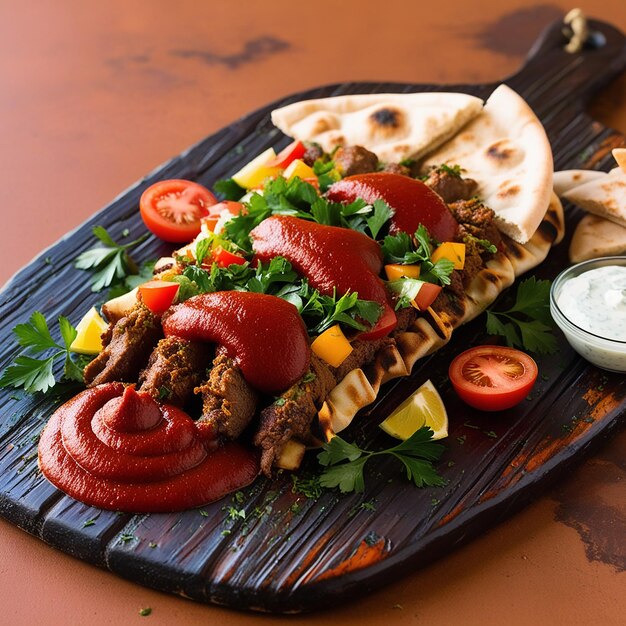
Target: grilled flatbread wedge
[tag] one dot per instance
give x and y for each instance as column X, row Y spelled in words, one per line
column 394, row 126
column 596, row 237
column 505, row 149
column 604, row 197
column 430, row 332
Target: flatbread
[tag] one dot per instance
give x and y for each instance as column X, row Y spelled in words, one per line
column 596, row 237
column 506, row 150
column 394, row 126
column 565, row 180
column 432, row 331
column 619, row 154
column 605, row 197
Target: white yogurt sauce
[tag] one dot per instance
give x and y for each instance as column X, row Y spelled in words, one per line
column 596, row 301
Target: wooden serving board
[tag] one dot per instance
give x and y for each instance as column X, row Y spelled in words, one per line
column 291, row 552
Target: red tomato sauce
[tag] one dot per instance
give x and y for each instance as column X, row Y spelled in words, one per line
column 413, row 202
column 264, row 335
column 330, row 257
column 117, row 449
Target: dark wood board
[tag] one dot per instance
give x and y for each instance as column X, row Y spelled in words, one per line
column 292, row 553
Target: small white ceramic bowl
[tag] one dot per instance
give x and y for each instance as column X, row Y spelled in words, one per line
column 609, row 354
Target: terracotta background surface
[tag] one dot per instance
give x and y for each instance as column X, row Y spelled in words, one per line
column 93, row 96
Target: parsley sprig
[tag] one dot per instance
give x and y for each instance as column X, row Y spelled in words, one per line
column 37, row 374
column 298, row 198
column 528, row 323
column 402, row 248
column 110, row 262
column 344, row 461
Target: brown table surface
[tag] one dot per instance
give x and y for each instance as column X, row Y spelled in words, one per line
column 94, row 95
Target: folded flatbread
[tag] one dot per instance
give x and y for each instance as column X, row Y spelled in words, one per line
column 394, row 126
column 605, row 197
column 596, row 237
column 565, row 180
column 506, row 150
column 620, row 156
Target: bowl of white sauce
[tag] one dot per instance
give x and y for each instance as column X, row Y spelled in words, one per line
column 588, row 302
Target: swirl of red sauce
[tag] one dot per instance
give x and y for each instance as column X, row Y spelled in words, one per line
column 117, row 449
column 263, row 334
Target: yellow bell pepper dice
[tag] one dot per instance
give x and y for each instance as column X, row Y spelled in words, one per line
column 452, row 251
column 396, row 271
column 332, row 346
column 89, row 333
column 300, row 169
column 254, row 173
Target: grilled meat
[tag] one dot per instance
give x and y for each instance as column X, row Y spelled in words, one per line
column 229, row 403
column 128, row 344
column 291, row 415
column 175, row 367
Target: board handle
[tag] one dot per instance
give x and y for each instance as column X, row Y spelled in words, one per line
column 551, row 76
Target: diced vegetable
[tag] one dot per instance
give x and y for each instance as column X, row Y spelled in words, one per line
column 294, row 150
column 300, row 169
column 420, row 293
column 221, row 213
column 452, row 251
column 158, row 295
column 116, row 308
column 332, row 346
column 254, row 173
column 395, row 271
column 89, row 330
column 224, row 258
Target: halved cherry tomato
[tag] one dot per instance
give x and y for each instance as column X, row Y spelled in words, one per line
column 215, row 212
column 385, row 324
column 158, row 295
column 224, row 258
column 492, row 378
column 426, row 296
column 172, row 209
column 293, row 151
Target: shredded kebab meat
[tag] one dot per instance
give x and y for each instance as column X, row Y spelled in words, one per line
column 172, row 369
column 229, row 403
column 175, row 367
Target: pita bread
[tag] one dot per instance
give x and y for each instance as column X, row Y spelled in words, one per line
column 394, row 126
column 432, row 331
column 605, row 197
column 565, row 180
column 596, row 237
column 619, row 154
column 506, row 150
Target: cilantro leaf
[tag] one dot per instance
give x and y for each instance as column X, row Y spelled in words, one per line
column 111, row 262
column 382, row 212
column 528, row 323
column 30, row 373
column 344, row 462
column 35, row 333
column 36, row 374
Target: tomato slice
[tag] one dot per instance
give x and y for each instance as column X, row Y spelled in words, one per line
column 293, row 151
column 224, row 258
column 172, row 209
column 426, row 296
column 158, row 295
column 385, row 324
column 492, row 378
column 215, row 212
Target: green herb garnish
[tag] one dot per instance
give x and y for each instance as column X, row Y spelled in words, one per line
column 344, row 462
column 401, row 248
column 528, row 323
column 229, row 189
column 110, row 262
column 36, row 374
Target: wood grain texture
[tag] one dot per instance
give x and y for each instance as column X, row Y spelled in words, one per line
column 290, row 558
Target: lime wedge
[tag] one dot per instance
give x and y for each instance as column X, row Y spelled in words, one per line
column 422, row 408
